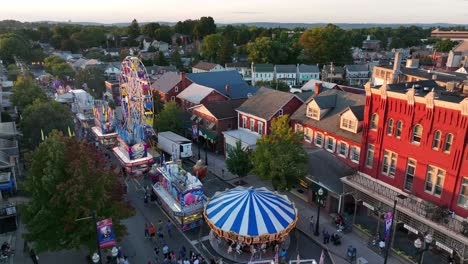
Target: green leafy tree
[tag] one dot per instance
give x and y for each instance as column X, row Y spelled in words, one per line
column 164, row 33
column 170, row 118
column 185, row 27
column 444, row 45
column 152, row 49
column 326, row 44
column 133, row 30
column 205, row 26
column 239, row 161
column 279, row 156
column 260, row 51
column 93, row 79
column 25, row 91
column 277, row 85
column 157, row 103
column 13, row 72
column 149, row 29
column 12, row 45
column 211, row 47
column 226, row 50
column 176, row 60
column 58, row 67
column 44, row 116
column 67, row 181
column 161, row 59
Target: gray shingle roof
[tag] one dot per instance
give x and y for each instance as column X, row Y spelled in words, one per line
column 358, row 111
column 308, row 68
column 326, row 101
column 224, row 109
column 238, row 88
column 331, row 121
column 166, row 82
column 263, row 67
column 290, row 68
column 357, row 67
column 203, row 65
column 265, row 103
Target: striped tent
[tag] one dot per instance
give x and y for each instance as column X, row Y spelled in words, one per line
column 250, row 215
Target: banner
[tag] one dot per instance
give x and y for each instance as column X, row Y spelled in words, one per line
column 388, row 219
column 195, row 131
column 105, row 232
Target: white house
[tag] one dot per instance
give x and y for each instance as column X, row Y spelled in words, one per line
column 307, row 73
column 262, row 72
column 242, row 68
column 286, row 74
column 357, row 74
column 204, row 66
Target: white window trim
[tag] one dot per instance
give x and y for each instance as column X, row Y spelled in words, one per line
column 252, row 125
column 465, row 206
column 260, row 128
column 334, row 144
column 351, row 154
column 436, row 170
column 177, row 89
column 389, row 165
column 173, row 98
column 367, row 156
column 413, row 134
column 280, row 112
column 338, row 149
column 406, row 173
column 306, row 134
column 244, row 122
column 315, row 139
column 350, row 122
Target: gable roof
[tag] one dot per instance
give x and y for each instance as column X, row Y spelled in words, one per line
column 224, row 109
column 357, row 67
column 266, row 103
column 325, row 101
column 166, row 82
column 263, row 67
column 206, row 66
column 330, row 122
column 357, row 110
column 308, row 68
column 310, row 85
column 289, row 68
column 305, row 95
column 194, row 93
column 238, row 88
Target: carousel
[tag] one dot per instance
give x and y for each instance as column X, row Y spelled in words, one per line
column 249, row 224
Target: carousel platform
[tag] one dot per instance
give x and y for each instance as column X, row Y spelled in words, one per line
column 132, row 164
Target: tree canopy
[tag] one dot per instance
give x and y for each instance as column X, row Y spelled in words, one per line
column 204, row 27
column 279, row 156
column 25, row 91
column 170, row 118
column 12, row 45
column 58, row 68
column 67, row 181
column 444, row 45
column 238, row 160
column 91, row 78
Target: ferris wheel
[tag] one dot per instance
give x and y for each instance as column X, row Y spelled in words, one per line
column 136, row 101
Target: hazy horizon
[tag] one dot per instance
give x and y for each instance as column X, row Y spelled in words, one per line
column 242, row 11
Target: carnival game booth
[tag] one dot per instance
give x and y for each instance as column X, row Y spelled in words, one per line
column 249, row 220
column 104, row 129
column 180, row 193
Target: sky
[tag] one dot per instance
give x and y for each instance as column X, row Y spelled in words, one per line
column 232, row 11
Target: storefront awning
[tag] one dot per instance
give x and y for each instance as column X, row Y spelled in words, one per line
column 208, row 134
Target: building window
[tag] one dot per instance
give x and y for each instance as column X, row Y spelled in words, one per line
column 348, row 124
column 409, row 175
column 308, row 135
column 370, row 155
column 389, row 161
column 280, row 112
column 436, row 140
column 354, row 155
column 330, row 144
column 313, row 113
column 448, row 142
column 244, row 122
column 252, row 125
column 298, row 128
column 434, row 180
column 417, row 134
column 463, row 195
column 390, row 127
column 374, row 121
column 173, row 98
column 343, row 149
column 176, row 89
column 260, row 128
column 399, row 126
column 318, row 139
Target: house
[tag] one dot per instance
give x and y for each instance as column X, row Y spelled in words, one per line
column 310, row 85
column 357, row 74
column 242, row 68
column 371, row 44
column 156, row 71
column 286, row 74
column 307, row 73
column 256, row 113
column 160, row 45
column 414, row 152
column 196, row 94
column 204, row 66
column 331, row 73
column 262, row 72
column 83, row 63
column 169, row 85
column 213, row 118
column 181, row 39
column 112, row 71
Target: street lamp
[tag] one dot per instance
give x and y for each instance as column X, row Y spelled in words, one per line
column 418, row 244
column 319, row 202
column 114, row 252
column 388, row 245
column 95, row 258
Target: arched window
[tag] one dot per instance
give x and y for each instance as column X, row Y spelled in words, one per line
column 436, row 140
column 417, row 134
column 399, row 126
column 448, row 142
column 390, row 127
column 374, row 121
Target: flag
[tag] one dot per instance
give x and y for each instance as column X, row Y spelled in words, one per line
column 69, row 132
column 388, row 220
column 322, row 258
column 42, row 134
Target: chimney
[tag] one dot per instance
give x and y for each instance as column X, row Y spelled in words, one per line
column 318, row 88
column 182, row 75
column 227, row 90
column 396, row 67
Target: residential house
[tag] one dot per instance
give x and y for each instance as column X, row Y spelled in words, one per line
column 113, row 52
column 286, row 74
column 213, row 118
column 357, row 74
column 310, row 85
column 242, row 68
column 371, row 44
column 262, row 72
column 156, row 71
column 204, row 66
column 307, row 73
column 112, row 71
column 332, row 73
column 169, row 85
column 181, row 39
column 256, row 114
column 196, row 94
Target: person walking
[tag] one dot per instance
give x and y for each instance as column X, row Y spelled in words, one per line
column 34, row 257
column 165, row 251
column 382, row 246
column 182, row 252
column 146, row 230
column 152, row 232
column 168, row 228
column 311, row 224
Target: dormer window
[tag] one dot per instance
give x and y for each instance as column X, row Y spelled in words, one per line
column 313, row 113
column 348, row 124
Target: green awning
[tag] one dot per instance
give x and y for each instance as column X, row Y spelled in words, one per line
column 315, row 187
column 208, row 134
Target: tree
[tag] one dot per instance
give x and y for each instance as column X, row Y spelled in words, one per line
column 67, row 180
column 13, row 72
column 170, row 118
column 161, row 60
column 43, row 117
column 277, row 85
column 279, row 156
column 326, row 44
column 211, row 47
column 133, row 30
column 25, row 91
column 260, row 50
column 176, row 59
column 157, row 103
column 205, row 26
column 225, row 51
column 444, row 45
column 164, row 33
column 238, row 160
column 93, row 79
column 12, row 45
column 58, row 67
column 149, row 29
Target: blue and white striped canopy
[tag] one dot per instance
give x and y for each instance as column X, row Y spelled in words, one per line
column 250, row 212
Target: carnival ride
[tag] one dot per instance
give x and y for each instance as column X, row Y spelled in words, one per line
column 104, row 121
column 136, row 127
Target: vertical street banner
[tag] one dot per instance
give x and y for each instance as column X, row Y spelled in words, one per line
column 195, row 131
column 105, row 232
column 388, row 220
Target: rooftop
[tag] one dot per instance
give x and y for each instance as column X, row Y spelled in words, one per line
column 428, row 75
column 308, row 68
column 244, row 136
column 265, row 103
column 194, row 93
column 238, row 88
column 357, row 67
column 224, row 109
column 263, row 67
column 206, row 66
column 290, row 68
column 166, row 82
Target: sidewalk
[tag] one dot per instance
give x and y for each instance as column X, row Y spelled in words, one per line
column 216, row 165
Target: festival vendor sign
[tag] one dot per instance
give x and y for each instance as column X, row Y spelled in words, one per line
column 105, row 231
column 388, row 220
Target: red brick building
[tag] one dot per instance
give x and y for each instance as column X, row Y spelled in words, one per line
column 196, row 94
column 170, row 84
